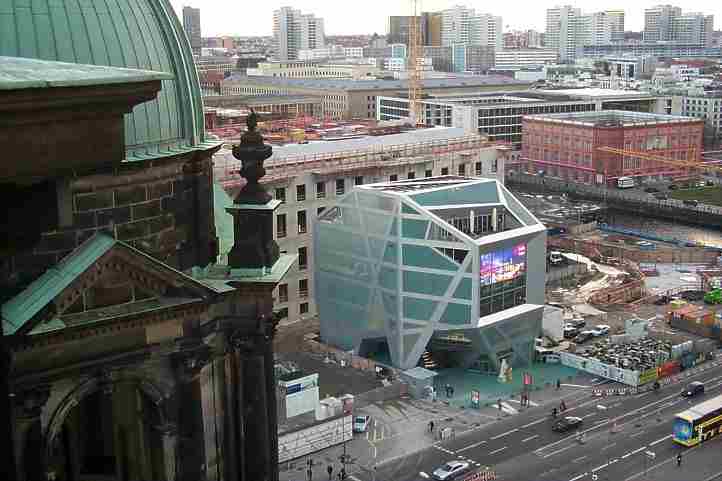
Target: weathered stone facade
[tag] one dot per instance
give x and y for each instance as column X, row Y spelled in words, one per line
column 164, row 208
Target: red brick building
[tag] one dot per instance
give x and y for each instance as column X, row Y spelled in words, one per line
column 567, row 145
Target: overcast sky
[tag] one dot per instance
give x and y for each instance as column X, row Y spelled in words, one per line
column 255, row 17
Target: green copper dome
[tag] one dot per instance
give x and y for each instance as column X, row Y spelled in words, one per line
column 141, row 34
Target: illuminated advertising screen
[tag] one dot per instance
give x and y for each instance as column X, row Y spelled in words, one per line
column 503, row 265
column 682, row 430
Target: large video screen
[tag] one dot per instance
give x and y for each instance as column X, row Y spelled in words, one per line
column 503, row 265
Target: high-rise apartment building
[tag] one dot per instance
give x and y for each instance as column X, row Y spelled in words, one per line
column 192, row 27
column 434, row 22
column 666, row 23
column 616, row 24
column 294, row 31
column 568, row 30
column 460, row 24
column 565, row 31
column 658, row 22
column 693, row 29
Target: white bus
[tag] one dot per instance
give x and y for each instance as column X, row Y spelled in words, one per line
column 625, row 182
column 698, row 423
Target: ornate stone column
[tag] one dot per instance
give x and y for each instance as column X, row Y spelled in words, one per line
column 28, row 432
column 259, row 435
column 169, row 433
column 7, row 458
column 189, row 361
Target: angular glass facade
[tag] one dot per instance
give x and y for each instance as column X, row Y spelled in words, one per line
column 400, row 263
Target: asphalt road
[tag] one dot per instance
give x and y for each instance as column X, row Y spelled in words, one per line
column 523, row 447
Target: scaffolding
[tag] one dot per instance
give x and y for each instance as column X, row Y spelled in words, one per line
column 226, row 168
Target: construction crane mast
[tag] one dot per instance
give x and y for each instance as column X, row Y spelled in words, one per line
column 413, row 57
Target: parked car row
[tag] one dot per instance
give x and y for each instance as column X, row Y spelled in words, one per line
column 572, row 331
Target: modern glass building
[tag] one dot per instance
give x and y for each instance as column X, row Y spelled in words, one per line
column 442, row 271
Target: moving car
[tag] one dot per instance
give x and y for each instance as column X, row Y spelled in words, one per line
column 566, row 424
column 600, row 330
column 691, row 202
column 693, row 389
column 361, row 423
column 450, row 470
column 583, row 336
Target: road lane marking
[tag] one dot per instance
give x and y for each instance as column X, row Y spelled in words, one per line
column 558, row 451
column 533, row 423
column 471, row 446
column 661, row 440
column 638, row 433
column 609, row 446
column 504, row 434
column 498, row 450
column 575, row 385
column 600, row 467
column 578, row 477
column 588, row 415
column 634, row 452
column 531, row 403
column 579, row 459
column 529, row 438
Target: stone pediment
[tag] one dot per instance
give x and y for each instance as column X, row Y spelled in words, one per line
column 102, row 280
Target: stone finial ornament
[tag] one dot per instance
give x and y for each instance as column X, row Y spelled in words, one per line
column 251, row 151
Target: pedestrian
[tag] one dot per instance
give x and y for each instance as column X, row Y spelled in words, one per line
column 329, row 470
column 679, row 459
column 554, row 412
column 498, row 404
column 452, row 390
column 559, row 384
column 431, row 426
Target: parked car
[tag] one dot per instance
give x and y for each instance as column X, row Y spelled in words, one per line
column 361, row 423
column 450, row 470
column 583, row 337
column 709, row 183
column 673, row 187
column 693, row 389
column 600, row 330
column 578, row 323
column 556, row 258
column 570, row 332
column 651, row 190
column 691, row 202
column 566, row 424
column 661, row 196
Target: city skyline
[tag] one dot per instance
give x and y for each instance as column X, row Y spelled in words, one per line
column 220, row 17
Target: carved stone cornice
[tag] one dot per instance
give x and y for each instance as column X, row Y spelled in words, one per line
column 190, row 358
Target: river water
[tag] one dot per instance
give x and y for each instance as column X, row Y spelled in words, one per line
column 648, row 225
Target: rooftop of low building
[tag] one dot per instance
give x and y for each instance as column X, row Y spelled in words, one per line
column 612, row 118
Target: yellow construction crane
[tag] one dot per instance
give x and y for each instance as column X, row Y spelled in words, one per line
column 682, row 164
column 414, row 69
